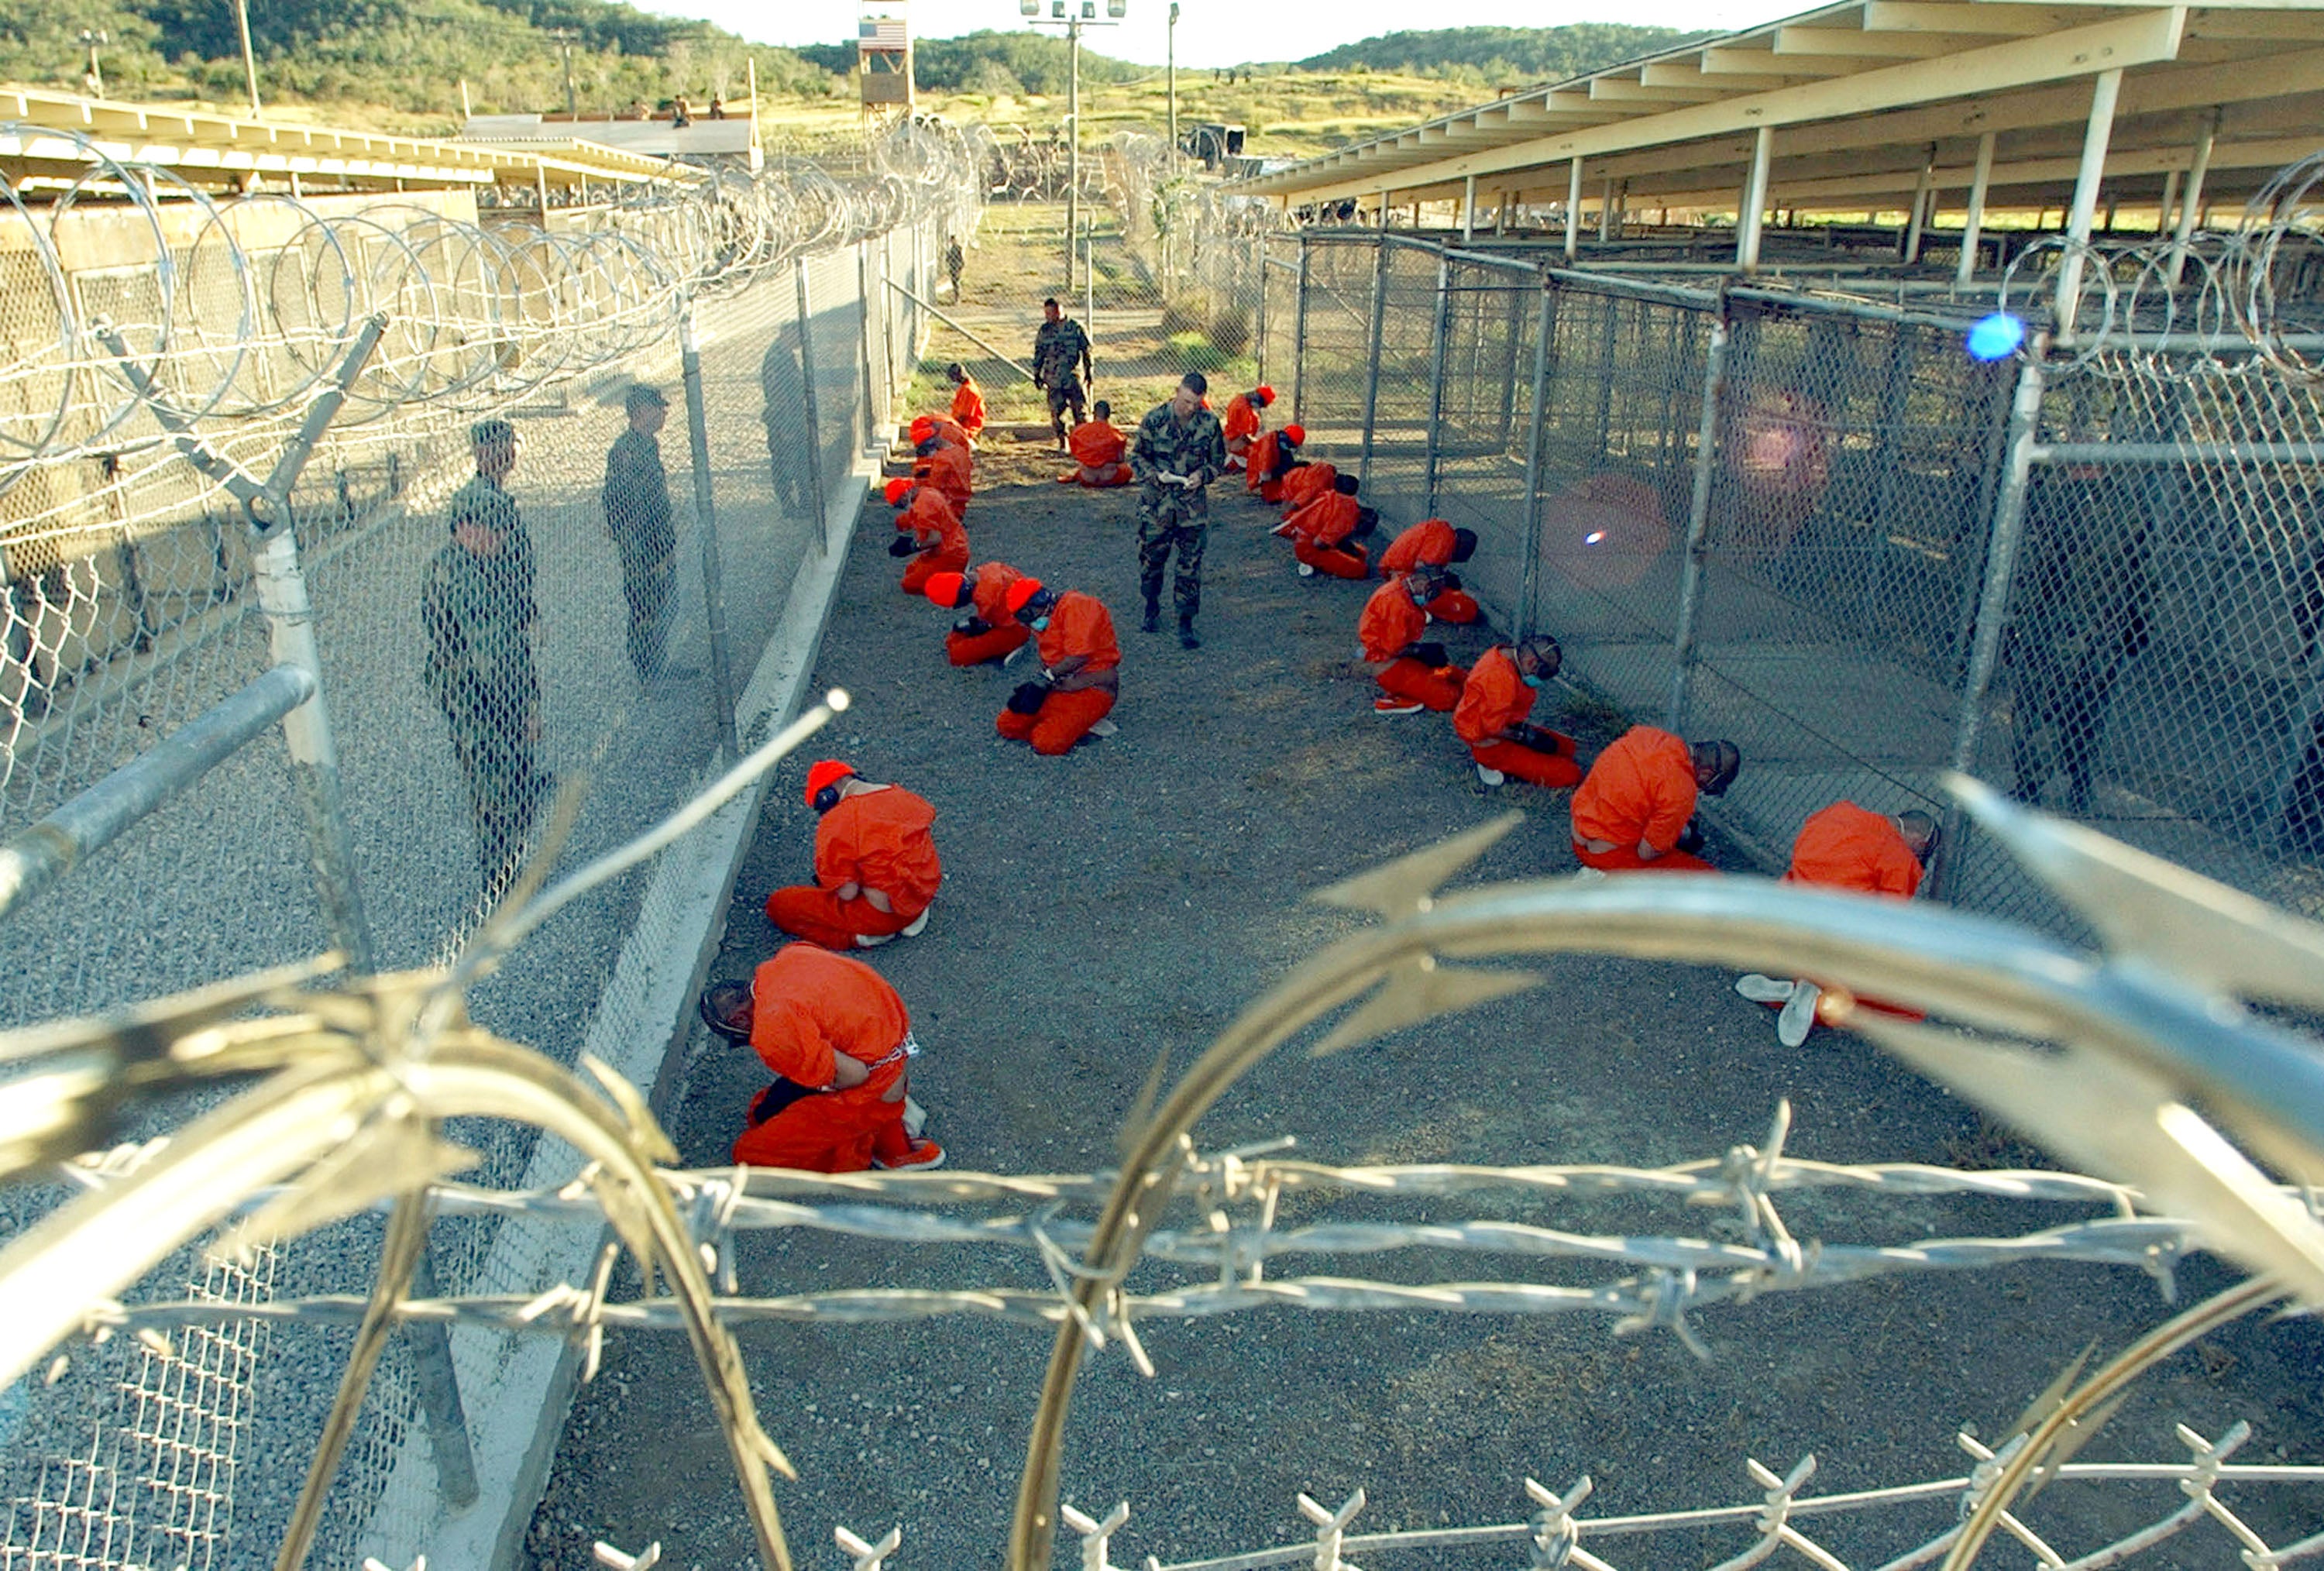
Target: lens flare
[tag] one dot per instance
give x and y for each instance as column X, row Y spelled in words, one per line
column 1995, row 337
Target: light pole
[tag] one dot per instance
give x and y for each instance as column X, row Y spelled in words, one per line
column 563, row 37
column 1171, row 56
column 89, row 41
column 249, row 59
column 1073, row 16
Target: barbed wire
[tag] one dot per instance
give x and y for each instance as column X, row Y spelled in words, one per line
column 250, row 304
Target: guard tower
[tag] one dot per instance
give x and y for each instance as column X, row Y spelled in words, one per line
column 884, row 59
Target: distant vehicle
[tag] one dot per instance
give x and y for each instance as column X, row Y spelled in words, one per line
column 1212, row 142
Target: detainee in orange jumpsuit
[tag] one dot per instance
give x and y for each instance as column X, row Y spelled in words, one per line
column 1492, row 716
column 839, row 1042
column 1434, row 543
column 1413, row 676
column 1327, row 535
column 1847, row 848
column 947, row 467
column 1305, row 482
column 942, row 427
column 967, row 401
column 1241, row 422
column 1635, row 809
column 928, row 531
column 1272, row 454
column 876, row 870
column 988, row 633
column 1098, row 446
column 1081, row 662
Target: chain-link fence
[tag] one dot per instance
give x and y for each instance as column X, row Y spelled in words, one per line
column 507, row 577
column 1786, row 517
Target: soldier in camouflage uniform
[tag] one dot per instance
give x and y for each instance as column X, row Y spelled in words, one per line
column 636, row 515
column 476, row 606
column 1180, row 449
column 1061, row 362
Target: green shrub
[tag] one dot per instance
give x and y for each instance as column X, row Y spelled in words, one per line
column 1231, row 330
column 1181, row 317
column 1191, row 351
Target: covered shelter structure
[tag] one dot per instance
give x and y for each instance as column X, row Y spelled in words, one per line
column 1944, row 110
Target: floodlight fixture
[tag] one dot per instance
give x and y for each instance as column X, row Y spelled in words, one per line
column 1028, row 7
column 1116, row 9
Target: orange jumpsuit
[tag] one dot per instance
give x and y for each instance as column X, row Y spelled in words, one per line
column 942, row 427
column 1302, row 486
column 1319, row 535
column 930, row 520
column 1097, row 446
column 950, row 472
column 1429, row 543
column 968, row 408
column 1242, row 427
column 1641, row 788
column 877, row 840
column 1079, row 624
column 1845, row 846
column 813, row 1005
column 1496, row 698
column 988, row 590
column 1268, row 456
column 1390, row 625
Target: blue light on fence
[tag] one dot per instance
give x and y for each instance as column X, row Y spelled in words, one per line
column 1995, row 337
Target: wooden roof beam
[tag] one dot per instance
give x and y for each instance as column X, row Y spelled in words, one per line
column 1996, row 21
column 1724, row 64
column 1854, row 43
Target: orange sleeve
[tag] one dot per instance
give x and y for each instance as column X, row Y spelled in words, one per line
column 1242, row 419
column 1899, row 872
column 1390, row 622
column 787, row 1039
column 835, row 858
column 1262, row 461
column 1668, row 801
column 1335, row 518
column 1081, row 625
column 1302, row 519
column 968, row 407
column 1494, row 698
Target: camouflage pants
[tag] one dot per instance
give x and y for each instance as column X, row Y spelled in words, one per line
column 505, row 789
column 1172, row 523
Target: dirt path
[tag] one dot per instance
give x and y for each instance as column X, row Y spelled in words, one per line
column 1129, row 898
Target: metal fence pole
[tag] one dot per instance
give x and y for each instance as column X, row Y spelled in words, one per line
column 2000, row 572
column 881, row 300
column 1299, row 338
column 1372, row 366
column 866, row 405
column 814, row 420
column 1258, row 317
column 437, row 1384
column 1441, row 331
column 1698, row 528
column 706, row 524
column 1529, row 589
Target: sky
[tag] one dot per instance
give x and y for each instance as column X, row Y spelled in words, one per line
column 1215, row 33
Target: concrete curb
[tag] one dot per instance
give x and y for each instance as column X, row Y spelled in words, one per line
column 519, row 1390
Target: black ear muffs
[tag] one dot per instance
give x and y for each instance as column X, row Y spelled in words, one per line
column 825, row 799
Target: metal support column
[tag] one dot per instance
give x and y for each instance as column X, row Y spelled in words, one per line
column 1574, row 210
column 1755, row 200
column 1468, row 208
column 2105, row 90
column 1606, row 214
column 815, row 497
column 1529, row 589
column 1697, row 550
column 1979, row 183
column 1258, row 306
column 1372, row 368
column 1299, row 338
column 1917, row 223
column 705, row 525
column 2001, row 548
column 2190, row 200
column 1438, row 335
column 867, row 405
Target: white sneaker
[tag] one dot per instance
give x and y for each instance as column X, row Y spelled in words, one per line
column 1393, row 705
column 1589, row 875
column 1491, row 777
column 916, row 1117
column 1798, row 1019
column 1306, row 570
column 1103, row 728
column 1011, row 657
column 873, row 941
column 1761, row 989
column 914, row 928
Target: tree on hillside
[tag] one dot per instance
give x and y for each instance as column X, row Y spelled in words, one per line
column 1502, row 54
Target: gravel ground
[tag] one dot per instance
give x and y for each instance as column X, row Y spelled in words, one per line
column 1128, row 899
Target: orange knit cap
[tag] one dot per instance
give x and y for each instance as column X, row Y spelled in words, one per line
column 924, row 426
column 1264, row 394
column 896, row 490
column 1296, row 434
column 1019, row 592
column 945, row 590
column 824, row 771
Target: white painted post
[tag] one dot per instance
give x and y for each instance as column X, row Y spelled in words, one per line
column 2105, row 92
column 1573, row 211
column 1468, row 209
column 2190, row 200
column 1917, row 224
column 1979, row 184
column 1755, row 200
column 1606, row 212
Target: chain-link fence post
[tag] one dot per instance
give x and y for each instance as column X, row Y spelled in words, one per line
column 1698, row 526
column 821, row 533
column 1299, row 338
column 1993, row 596
column 705, row 525
column 1529, row 591
column 1258, row 314
column 1439, row 331
column 1372, row 360
column 873, row 402
column 437, row 1382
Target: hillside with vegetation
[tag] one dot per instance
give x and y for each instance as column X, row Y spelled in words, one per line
column 1502, row 56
